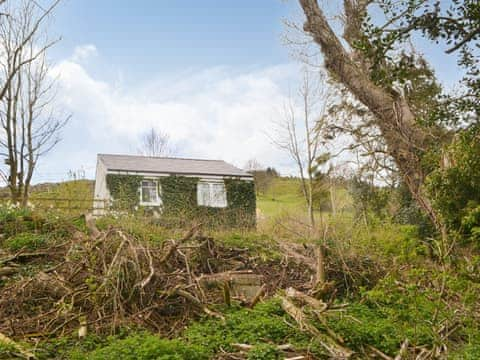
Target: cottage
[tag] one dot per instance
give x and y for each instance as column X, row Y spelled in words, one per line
column 174, row 187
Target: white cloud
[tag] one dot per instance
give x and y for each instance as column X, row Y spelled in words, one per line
column 220, row 113
column 84, row 52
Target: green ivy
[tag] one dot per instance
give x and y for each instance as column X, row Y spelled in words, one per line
column 179, row 200
column 241, row 201
column 124, row 190
column 179, row 193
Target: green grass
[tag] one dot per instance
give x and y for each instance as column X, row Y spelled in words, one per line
column 264, row 327
column 27, row 241
column 284, row 195
column 74, row 196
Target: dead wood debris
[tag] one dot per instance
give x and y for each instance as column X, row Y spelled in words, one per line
column 109, row 278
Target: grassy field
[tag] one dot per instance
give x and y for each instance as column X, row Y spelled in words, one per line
column 284, row 195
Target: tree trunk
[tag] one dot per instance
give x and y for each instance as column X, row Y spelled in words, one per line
column 311, row 215
column 404, row 139
column 320, row 276
column 333, row 199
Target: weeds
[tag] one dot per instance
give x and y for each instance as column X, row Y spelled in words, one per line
column 26, row 241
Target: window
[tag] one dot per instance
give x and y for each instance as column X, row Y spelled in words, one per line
column 149, row 193
column 211, row 194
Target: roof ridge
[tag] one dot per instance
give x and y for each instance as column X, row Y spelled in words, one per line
column 163, row 157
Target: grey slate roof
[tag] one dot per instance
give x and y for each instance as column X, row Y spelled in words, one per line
column 169, row 165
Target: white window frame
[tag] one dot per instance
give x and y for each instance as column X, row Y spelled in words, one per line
column 211, row 203
column 158, row 202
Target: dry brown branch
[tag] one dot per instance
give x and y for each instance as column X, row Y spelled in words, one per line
column 403, row 350
column 248, row 347
column 257, row 296
column 298, row 295
column 198, row 303
column 376, row 352
column 330, row 344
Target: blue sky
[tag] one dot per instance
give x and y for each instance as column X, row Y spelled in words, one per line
column 164, row 37
column 211, row 74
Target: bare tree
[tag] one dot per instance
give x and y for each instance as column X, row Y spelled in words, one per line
column 155, row 143
column 11, row 51
column 302, row 131
column 253, row 165
column 30, row 122
column 262, row 176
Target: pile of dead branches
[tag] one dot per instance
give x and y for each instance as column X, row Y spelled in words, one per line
column 99, row 282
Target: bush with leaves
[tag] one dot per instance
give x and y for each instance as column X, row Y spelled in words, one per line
column 455, row 187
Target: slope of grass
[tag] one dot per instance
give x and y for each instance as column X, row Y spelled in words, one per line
column 284, row 195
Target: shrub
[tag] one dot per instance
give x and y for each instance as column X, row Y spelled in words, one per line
column 470, row 351
column 455, row 188
column 7, row 351
column 10, row 212
column 15, row 220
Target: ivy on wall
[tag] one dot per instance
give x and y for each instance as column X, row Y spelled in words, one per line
column 179, row 200
column 242, row 201
column 179, row 195
column 125, row 190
